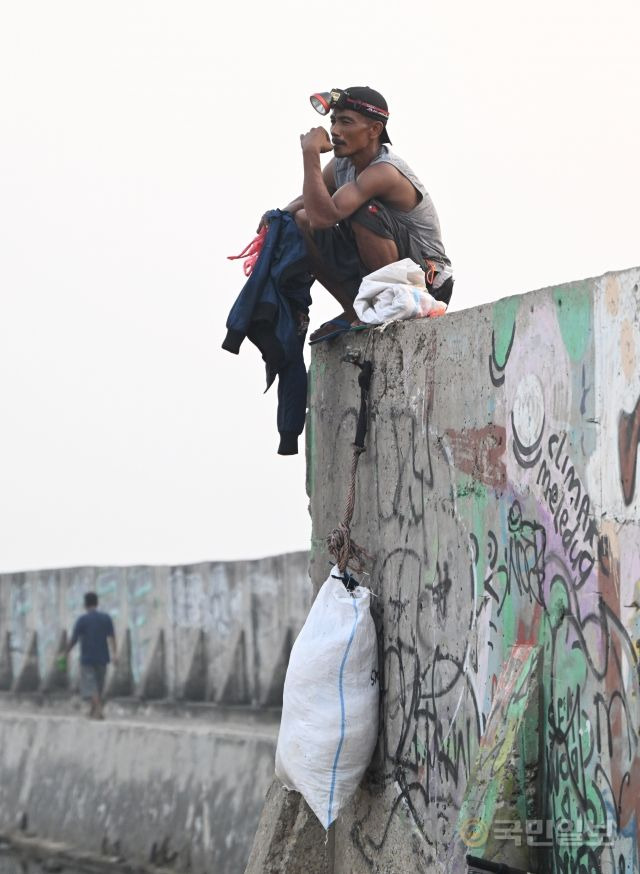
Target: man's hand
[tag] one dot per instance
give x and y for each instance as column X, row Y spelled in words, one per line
column 263, row 223
column 316, row 140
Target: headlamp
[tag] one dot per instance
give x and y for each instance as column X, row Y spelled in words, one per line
column 324, row 101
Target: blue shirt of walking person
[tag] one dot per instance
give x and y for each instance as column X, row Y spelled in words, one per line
column 93, row 629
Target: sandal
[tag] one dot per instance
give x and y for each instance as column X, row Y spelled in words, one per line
column 334, row 327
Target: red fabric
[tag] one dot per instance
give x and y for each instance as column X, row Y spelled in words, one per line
column 251, row 252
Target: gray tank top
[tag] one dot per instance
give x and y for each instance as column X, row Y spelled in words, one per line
column 422, row 221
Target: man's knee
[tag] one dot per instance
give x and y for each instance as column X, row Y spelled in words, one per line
column 302, row 221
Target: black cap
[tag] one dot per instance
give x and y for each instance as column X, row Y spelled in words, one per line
column 367, row 101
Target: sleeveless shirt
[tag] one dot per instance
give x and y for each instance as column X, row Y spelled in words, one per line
column 421, row 222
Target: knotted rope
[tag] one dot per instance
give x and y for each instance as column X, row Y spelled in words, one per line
column 251, row 252
column 339, row 543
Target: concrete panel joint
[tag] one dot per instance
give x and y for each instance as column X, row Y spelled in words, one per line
column 57, row 676
column 153, row 685
column 273, row 694
column 197, row 682
column 235, row 683
column 6, row 663
column 121, row 683
column 28, row 678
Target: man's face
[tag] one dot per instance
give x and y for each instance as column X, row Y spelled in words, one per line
column 350, row 132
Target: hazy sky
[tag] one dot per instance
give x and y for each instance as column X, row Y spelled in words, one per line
column 139, row 144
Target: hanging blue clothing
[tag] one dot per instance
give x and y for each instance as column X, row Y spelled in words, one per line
column 272, row 311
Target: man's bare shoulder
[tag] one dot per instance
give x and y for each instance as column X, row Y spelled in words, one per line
column 381, row 170
column 381, row 178
column 386, row 182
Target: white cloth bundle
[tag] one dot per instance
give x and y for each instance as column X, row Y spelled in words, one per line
column 397, row 291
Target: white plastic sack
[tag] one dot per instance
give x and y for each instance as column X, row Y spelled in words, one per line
column 329, row 721
column 397, row 291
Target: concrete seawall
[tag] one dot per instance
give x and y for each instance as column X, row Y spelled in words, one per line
column 177, row 774
column 216, row 631
column 499, row 497
column 179, row 793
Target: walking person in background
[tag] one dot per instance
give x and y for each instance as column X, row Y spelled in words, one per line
column 94, row 629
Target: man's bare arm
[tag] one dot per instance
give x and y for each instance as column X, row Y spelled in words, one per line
column 111, row 640
column 329, row 178
column 295, row 205
column 73, row 641
column 324, row 210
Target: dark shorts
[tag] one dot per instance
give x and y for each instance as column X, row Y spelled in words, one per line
column 338, row 249
column 92, row 680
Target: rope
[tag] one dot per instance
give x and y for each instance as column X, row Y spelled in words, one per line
column 251, row 252
column 339, row 543
column 345, row 550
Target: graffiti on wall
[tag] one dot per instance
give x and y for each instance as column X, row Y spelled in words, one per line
column 508, row 515
column 177, row 604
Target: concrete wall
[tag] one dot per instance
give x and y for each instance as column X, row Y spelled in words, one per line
column 177, row 783
column 182, row 794
column 498, row 497
column 216, row 631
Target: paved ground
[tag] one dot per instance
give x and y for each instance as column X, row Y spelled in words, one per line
column 220, row 721
column 152, row 785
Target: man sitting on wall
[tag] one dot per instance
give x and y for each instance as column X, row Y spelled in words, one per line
column 366, row 208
